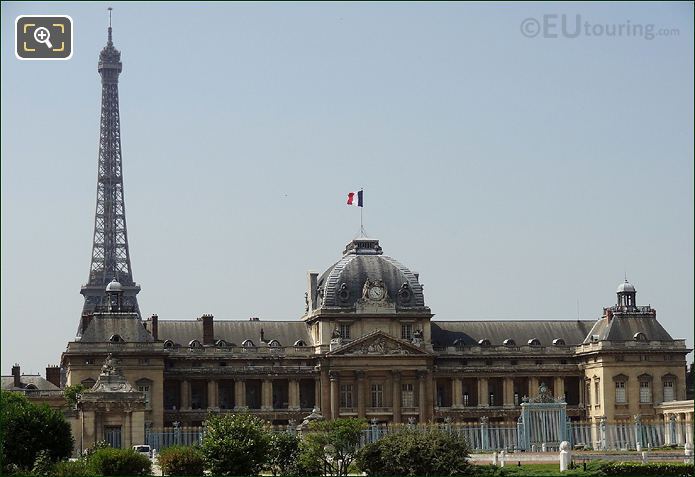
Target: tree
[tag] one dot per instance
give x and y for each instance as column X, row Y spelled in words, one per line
column 415, row 452
column 27, row 429
column 334, row 443
column 71, row 392
column 284, row 453
column 235, row 444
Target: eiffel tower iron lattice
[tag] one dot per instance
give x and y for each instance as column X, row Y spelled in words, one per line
column 110, row 253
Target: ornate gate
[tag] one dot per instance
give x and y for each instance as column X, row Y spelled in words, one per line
column 543, row 421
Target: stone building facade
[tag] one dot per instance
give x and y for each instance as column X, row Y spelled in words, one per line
column 366, row 346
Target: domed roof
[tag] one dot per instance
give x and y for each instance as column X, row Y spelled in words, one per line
column 625, row 287
column 363, row 266
column 114, row 286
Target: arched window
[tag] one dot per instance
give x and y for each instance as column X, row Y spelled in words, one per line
column 509, row 342
column 559, row 342
column 221, row 344
column 484, row 342
column 168, row 344
column 116, row 339
column 534, row 342
column 645, row 388
column 30, row 386
column 193, row 344
column 459, row 343
column 299, row 343
column 639, row 336
column 274, row 343
column 247, row 344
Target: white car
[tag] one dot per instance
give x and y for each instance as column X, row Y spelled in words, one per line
column 143, row 449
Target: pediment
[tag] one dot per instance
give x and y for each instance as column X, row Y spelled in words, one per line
column 378, row 343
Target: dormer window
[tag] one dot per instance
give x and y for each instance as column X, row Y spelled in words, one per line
column 247, row 344
column 195, row 344
column 559, row 342
column 274, row 344
column 168, row 344
column 221, row 344
column 459, row 343
column 116, row 339
column 484, row 342
column 509, row 342
column 299, row 343
column 639, row 336
column 534, row 342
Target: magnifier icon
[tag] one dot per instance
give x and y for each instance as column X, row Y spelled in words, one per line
column 42, row 35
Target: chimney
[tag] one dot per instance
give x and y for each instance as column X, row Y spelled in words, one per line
column 16, row 374
column 86, row 320
column 312, row 280
column 208, row 329
column 154, row 326
column 53, row 375
column 417, row 276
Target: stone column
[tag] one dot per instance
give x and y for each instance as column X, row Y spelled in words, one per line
column 533, row 386
column 456, row 393
column 679, row 429
column 422, row 395
column 239, row 394
column 294, row 394
column 396, row 396
column 508, row 394
column 361, row 395
column 582, row 392
column 559, row 387
column 325, row 393
column 317, row 393
column 267, row 395
column 335, row 397
column 483, row 393
column 126, row 438
column 212, row 393
column 185, row 394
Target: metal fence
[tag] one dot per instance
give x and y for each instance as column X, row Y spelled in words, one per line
column 485, row 436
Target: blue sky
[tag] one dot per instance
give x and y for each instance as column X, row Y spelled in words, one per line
column 521, row 177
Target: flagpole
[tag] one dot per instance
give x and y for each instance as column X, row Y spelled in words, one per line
column 361, row 222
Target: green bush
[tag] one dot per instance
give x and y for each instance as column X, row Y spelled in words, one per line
column 415, row 452
column 284, row 454
column 43, row 465
column 67, row 468
column 235, row 444
column 26, row 429
column 656, row 468
column 181, row 460
column 118, row 462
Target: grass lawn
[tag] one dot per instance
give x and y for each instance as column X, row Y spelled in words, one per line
column 547, row 470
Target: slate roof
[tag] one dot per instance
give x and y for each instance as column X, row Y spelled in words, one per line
column 184, row 331
column 444, row 333
column 26, row 379
column 624, row 328
column 357, row 265
column 130, row 330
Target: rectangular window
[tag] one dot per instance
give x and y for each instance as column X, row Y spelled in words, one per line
column 597, row 393
column 516, row 399
column 345, row 331
column 620, row 397
column 668, row 391
column 406, row 331
column 466, row 399
column 407, row 395
column 377, row 395
column 145, row 389
column 346, row 395
column 645, row 392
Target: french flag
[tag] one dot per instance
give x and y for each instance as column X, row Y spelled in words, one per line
column 360, row 198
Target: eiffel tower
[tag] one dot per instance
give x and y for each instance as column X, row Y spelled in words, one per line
column 110, row 254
